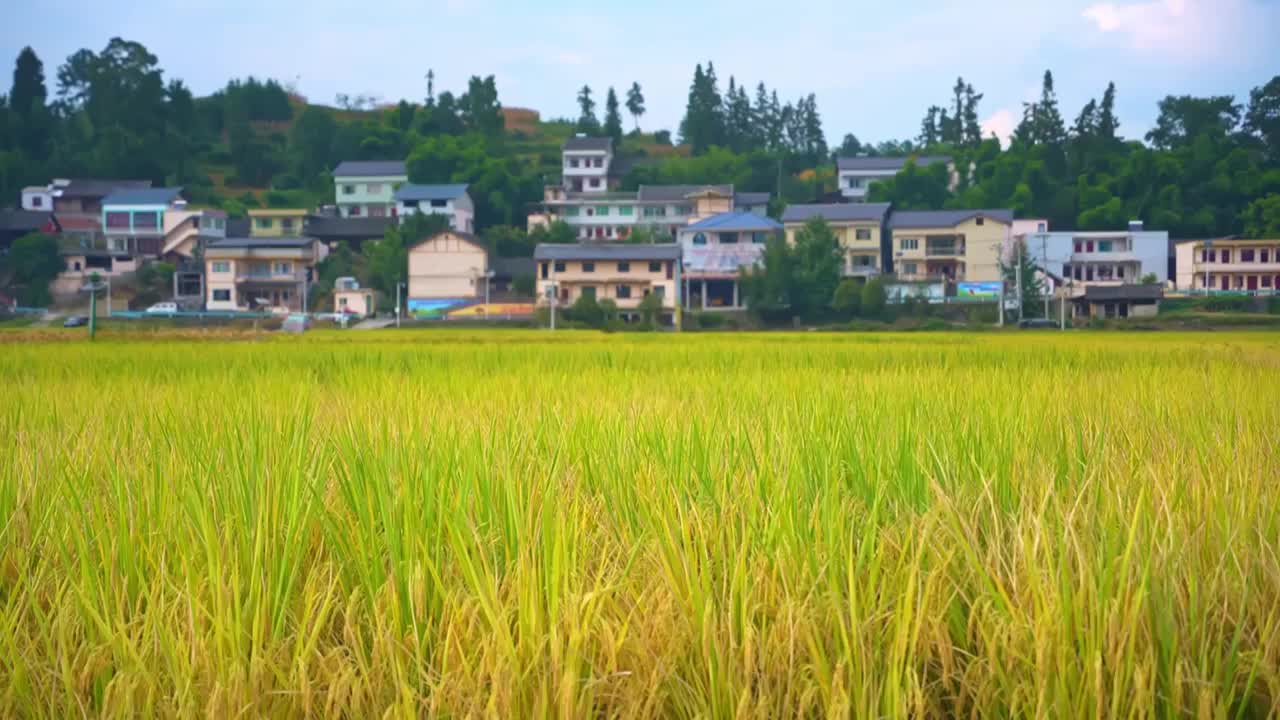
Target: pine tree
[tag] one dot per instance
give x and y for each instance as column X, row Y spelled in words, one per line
column 930, row 134
column 28, row 84
column 635, row 103
column 972, row 127
column 1108, row 125
column 587, row 122
column 612, row 118
column 1050, row 127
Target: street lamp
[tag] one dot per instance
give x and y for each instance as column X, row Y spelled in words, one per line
column 398, row 286
column 92, row 287
column 488, row 276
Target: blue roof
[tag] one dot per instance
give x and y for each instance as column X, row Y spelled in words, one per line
column 740, row 221
column 431, row 192
column 143, row 196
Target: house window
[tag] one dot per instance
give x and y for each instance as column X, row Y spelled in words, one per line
column 728, row 238
column 1226, row 256
column 602, row 210
column 1079, row 246
column 145, row 220
column 1089, row 246
column 684, row 210
column 855, row 183
column 118, row 220
column 595, row 182
column 1263, row 256
column 910, row 244
column 626, row 210
column 571, row 211
column 908, row 268
column 546, row 270
column 655, row 212
column 862, row 234
column 624, row 267
column 348, row 189
column 699, row 239
column 374, row 188
column 1266, row 281
column 1088, row 273
column 1246, row 256
column 286, row 223
column 1104, row 246
column 284, row 268
column 660, row 291
column 262, row 223
column 76, row 264
column 624, row 292
column 559, row 267
column 222, row 266
column 598, row 162
column 588, row 267
column 439, row 203
column 589, row 292
column 655, row 267
column 222, row 296
column 1066, row 271
column 758, row 238
column 1042, row 227
column 377, row 211
column 354, row 211
column 37, row 201
column 573, row 162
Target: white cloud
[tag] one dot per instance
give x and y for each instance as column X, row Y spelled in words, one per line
column 1180, row 29
column 1001, row 124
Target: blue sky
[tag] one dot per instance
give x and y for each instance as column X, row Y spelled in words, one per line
column 875, row 66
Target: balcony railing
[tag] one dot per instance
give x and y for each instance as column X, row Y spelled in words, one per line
column 268, row 277
column 944, row 250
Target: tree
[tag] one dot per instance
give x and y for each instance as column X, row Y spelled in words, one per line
column 557, row 233
column 479, row 109
column 586, row 311
column 1021, row 263
column 850, row 146
column 612, row 118
column 819, row 263
column 635, row 103
column 587, row 122
column 650, row 309
column 847, row 299
column 930, row 132
column 33, row 124
column 874, row 299
column 34, row 262
column 311, row 141
column 1262, row 119
column 1184, row 118
column 1108, row 126
column 1262, row 217
column 703, row 123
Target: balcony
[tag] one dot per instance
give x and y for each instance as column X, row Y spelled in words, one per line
column 269, row 278
column 944, row 250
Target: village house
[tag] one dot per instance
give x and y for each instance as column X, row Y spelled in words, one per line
column 368, row 188
column 625, row 274
column 1229, row 265
column 291, row 222
column 452, row 201
column 949, row 245
column 714, row 252
column 856, row 174
column 860, row 228
column 260, row 274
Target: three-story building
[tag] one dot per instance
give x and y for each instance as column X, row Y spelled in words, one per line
column 259, row 274
column 949, row 245
column 714, row 252
column 860, row 229
column 1082, row 259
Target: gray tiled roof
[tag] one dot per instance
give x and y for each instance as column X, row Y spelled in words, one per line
column 605, row 252
column 675, row 193
column 91, row 188
column 751, row 198
column 894, row 164
column 588, row 144
column 356, row 228
column 23, row 220
column 837, row 212
column 943, row 218
column 370, row 168
column 143, row 196
column 431, row 192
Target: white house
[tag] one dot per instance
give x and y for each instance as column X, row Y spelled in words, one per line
column 856, row 174
column 587, row 161
column 1084, row 259
column 451, row 200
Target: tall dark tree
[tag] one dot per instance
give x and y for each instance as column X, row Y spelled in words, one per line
column 479, row 108
column 930, row 132
column 1184, row 118
column 703, row 124
column 972, row 128
column 1108, row 124
column 587, row 121
column 1262, row 119
column 635, row 103
column 28, row 90
column 612, row 118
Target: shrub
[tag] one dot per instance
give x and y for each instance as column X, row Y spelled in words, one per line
column 524, row 285
column 587, row 311
column 848, row 298
column 1225, row 303
column 874, row 299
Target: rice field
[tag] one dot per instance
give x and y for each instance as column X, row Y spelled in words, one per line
column 520, row 524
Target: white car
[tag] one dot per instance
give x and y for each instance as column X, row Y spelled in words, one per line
column 165, row 308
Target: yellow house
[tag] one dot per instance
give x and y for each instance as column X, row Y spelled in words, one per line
column 277, row 223
column 625, row 274
column 1231, row 265
column 450, row 264
column 859, row 227
column 954, row 245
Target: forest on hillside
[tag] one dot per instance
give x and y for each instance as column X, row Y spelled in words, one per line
column 1209, row 167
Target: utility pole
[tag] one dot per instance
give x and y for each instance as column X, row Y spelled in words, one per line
column 398, row 284
column 1017, row 270
column 1044, row 267
column 1208, row 246
column 109, row 305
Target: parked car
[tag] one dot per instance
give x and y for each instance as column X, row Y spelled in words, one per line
column 76, row 321
column 164, row 308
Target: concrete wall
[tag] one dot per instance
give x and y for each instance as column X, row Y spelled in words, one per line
column 447, row 266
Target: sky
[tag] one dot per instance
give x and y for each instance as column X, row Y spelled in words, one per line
column 875, row 67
